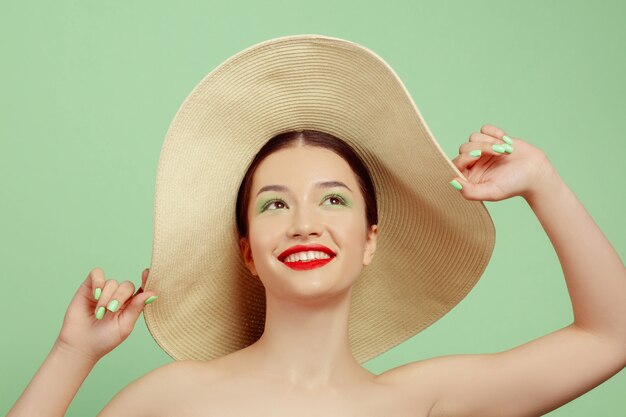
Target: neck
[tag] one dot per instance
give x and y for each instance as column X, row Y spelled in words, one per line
column 306, row 342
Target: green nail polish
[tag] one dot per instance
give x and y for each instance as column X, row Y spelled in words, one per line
column 508, row 148
column 456, row 185
column 507, row 139
column 113, row 306
column 151, row 299
column 498, row 148
column 476, row 152
column 96, row 294
column 100, row 313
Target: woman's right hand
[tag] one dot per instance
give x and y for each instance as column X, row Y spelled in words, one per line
column 84, row 333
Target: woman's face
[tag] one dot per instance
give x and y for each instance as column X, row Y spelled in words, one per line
column 307, row 195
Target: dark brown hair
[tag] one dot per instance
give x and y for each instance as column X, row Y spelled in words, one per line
column 310, row 138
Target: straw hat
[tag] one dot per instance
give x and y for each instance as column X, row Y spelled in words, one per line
column 433, row 244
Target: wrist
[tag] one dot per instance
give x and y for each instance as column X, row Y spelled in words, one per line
column 70, row 352
column 547, row 185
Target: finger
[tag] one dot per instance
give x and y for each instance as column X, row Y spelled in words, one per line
column 482, row 137
column 464, row 162
column 144, row 277
column 486, row 191
column 123, row 292
column 470, row 153
column 496, row 132
column 96, row 281
column 485, row 148
column 109, row 288
column 128, row 317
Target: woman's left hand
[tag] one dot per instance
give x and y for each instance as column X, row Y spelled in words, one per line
column 505, row 171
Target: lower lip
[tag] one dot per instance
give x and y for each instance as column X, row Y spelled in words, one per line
column 299, row 266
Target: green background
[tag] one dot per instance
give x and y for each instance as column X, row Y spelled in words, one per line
column 88, row 90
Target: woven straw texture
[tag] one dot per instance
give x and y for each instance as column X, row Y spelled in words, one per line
column 433, row 244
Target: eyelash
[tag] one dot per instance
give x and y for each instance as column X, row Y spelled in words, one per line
column 342, row 201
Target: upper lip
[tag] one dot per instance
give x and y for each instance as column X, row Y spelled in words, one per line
column 305, row 248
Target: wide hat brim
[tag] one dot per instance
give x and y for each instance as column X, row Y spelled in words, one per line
column 433, row 244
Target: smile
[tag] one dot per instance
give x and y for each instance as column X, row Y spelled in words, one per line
column 307, row 264
column 303, row 257
column 306, row 256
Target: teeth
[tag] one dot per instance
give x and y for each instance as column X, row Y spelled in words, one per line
column 306, row 256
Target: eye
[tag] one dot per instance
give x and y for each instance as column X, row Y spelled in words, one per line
column 335, row 199
column 274, row 205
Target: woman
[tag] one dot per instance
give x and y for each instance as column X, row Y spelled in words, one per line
column 308, row 192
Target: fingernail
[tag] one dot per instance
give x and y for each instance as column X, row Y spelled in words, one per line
column 113, row 306
column 507, row 139
column 508, row 148
column 476, row 152
column 498, row 148
column 100, row 313
column 96, row 293
column 456, row 185
column 151, row 299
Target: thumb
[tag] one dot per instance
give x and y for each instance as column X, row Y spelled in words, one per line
column 486, row 191
column 133, row 310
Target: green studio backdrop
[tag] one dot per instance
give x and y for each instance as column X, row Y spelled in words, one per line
column 88, row 89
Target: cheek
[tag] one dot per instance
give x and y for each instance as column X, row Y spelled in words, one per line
column 262, row 237
column 352, row 237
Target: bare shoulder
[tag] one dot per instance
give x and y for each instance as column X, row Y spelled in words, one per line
column 154, row 393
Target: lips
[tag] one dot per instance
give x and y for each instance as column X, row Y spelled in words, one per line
column 306, row 248
column 311, row 263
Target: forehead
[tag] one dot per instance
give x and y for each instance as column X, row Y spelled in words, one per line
column 302, row 165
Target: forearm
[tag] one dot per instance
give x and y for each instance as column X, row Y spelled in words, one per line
column 54, row 386
column 594, row 272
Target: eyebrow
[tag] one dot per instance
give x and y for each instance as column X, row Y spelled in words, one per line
column 322, row 184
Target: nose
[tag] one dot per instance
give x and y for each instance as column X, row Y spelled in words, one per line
column 305, row 222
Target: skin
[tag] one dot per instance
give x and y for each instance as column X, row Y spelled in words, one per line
column 302, row 364
column 316, row 355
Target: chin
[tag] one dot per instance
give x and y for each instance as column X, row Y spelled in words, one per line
column 304, row 285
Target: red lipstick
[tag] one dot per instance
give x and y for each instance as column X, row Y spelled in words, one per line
column 311, row 264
